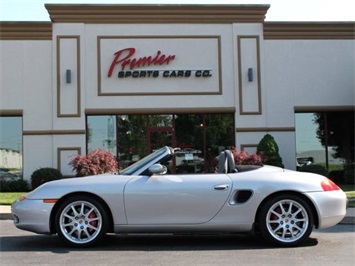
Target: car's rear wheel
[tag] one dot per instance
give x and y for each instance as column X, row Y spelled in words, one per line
column 81, row 221
column 286, row 220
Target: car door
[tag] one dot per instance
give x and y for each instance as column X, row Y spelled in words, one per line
column 175, row 199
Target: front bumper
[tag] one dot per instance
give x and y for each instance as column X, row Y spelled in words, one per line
column 32, row 215
column 330, row 207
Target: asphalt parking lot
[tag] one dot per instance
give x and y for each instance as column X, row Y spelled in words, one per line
column 332, row 246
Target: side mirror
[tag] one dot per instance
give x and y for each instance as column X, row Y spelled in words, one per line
column 158, row 169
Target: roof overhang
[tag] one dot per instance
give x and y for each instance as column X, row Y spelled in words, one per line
column 85, row 13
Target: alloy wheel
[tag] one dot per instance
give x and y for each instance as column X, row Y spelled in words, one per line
column 80, row 222
column 287, row 221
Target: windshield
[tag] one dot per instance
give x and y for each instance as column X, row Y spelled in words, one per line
column 144, row 161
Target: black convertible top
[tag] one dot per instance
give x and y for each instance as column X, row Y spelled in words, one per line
column 245, row 168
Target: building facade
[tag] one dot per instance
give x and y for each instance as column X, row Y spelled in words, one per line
column 129, row 79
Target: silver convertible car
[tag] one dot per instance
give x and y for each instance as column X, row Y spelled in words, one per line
column 282, row 206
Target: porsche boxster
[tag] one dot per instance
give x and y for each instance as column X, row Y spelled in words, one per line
column 282, row 206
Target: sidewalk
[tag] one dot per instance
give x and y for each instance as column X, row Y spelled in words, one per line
column 5, row 214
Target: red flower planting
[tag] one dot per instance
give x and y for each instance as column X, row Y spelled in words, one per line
column 94, row 163
column 245, row 158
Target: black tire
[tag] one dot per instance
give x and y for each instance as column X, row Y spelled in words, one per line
column 286, row 220
column 81, row 221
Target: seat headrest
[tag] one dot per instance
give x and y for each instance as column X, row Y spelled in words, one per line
column 226, row 162
column 223, row 164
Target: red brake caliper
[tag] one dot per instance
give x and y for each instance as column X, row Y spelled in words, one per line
column 91, row 216
column 274, row 217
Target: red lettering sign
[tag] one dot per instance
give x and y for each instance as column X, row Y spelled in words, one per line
column 125, row 58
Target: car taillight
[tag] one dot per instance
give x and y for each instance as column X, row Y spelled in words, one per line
column 329, row 185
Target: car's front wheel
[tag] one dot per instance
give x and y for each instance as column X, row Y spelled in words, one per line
column 286, row 220
column 81, row 221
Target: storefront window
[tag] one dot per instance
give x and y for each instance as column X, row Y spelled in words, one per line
column 190, row 138
column 10, row 148
column 201, row 139
column 123, row 135
column 160, row 120
column 101, row 133
column 325, row 138
column 130, row 137
column 218, row 130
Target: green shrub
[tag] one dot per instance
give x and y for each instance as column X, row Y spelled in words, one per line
column 349, row 176
column 44, row 175
column 314, row 168
column 18, row 185
column 269, row 151
column 337, row 176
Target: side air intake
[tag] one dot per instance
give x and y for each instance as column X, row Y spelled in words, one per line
column 241, row 196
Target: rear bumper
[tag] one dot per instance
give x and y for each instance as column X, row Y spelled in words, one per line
column 330, row 207
column 32, row 215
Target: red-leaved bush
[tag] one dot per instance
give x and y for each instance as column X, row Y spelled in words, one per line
column 94, row 163
column 245, row 158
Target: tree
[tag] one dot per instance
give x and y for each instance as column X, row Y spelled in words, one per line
column 269, row 151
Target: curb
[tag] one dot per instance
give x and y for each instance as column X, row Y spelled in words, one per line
column 5, row 216
column 348, row 220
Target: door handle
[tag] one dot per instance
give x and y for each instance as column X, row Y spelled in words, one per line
column 221, row 187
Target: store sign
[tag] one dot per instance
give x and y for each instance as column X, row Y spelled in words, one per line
column 159, row 66
column 125, row 59
column 128, row 64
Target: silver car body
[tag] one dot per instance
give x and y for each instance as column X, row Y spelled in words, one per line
column 222, row 202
